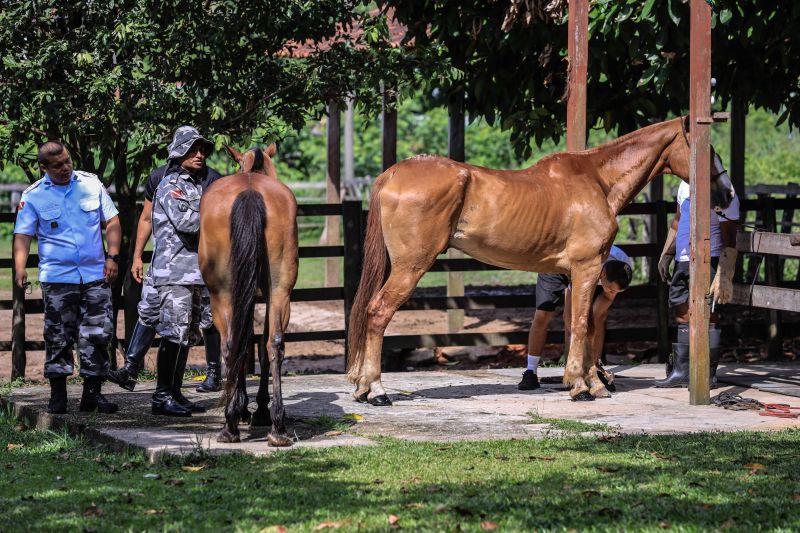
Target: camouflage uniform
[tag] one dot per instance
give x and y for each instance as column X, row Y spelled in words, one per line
column 183, row 300
column 81, row 311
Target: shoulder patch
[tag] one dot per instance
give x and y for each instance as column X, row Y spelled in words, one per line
column 86, row 175
column 33, row 185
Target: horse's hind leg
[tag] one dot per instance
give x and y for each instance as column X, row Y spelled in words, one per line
column 382, row 307
column 261, row 417
column 279, row 320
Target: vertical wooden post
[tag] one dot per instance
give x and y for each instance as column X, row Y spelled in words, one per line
column 771, row 277
column 662, row 310
column 18, row 355
column 349, row 169
column 353, row 254
column 737, row 171
column 653, row 229
column 333, row 196
column 700, row 194
column 456, row 151
column 389, row 129
column 577, row 49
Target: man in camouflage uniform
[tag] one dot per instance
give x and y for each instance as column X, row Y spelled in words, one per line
column 66, row 210
column 175, row 303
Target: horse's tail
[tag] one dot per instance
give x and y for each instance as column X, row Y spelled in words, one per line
column 247, row 262
column 373, row 274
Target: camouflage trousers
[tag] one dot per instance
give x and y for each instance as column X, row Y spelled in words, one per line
column 177, row 312
column 77, row 312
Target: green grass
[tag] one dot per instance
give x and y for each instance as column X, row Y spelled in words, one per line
column 568, row 426
column 733, row 482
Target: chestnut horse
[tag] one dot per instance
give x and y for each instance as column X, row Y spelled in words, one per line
column 559, row 215
column 248, row 247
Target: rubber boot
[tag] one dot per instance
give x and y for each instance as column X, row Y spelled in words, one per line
column 163, row 402
column 141, row 340
column 177, row 383
column 714, row 341
column 683, row 338
column 213, row 381
column 93, row 400
column 58, row 396
column 680, row 368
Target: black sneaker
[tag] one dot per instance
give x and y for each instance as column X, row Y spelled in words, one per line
column 530, row 381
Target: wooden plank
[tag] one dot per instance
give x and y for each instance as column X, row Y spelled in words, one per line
column 765, row 242
column 313, row 210
column 700, row 192
column 317, row 294
column 577, row 53
column 772, row 277
column 18, row 355
column 662, row 289
column 766, row 297
column 321, row 251
column 389, row 128
column 353, row 253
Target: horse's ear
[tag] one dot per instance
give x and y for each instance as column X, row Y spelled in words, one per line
column 235, row 154
column 271, row 150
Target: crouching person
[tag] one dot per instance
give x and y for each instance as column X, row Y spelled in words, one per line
column 65, row 211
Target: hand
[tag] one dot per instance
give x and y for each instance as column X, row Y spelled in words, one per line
column 721, row 289
column 137, row 269
column 663, row 267
column 110, row 270
column 21, row 278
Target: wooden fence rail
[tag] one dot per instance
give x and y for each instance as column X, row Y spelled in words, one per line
column 354, row 224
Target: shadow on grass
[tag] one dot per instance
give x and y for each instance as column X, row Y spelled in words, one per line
column 739, row 482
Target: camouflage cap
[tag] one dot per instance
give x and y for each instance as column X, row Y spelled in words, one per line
column 184, row 138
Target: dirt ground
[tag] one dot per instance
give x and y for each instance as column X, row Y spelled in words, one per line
column 327, row 356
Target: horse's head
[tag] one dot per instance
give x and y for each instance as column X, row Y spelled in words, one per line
column 255, row 160
column 677, row 163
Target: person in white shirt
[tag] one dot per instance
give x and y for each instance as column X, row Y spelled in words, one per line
column 724, row 225
column 552, row 289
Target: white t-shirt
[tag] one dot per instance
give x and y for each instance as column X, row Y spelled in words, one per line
column 682, row 237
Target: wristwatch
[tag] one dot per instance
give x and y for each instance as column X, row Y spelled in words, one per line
column 114, row 258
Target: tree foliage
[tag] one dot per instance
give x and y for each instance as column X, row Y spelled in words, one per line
column 513, row 66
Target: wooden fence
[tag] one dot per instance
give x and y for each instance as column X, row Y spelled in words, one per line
column 353, row 218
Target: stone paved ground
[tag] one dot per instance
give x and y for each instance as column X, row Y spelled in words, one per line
column 438, row 406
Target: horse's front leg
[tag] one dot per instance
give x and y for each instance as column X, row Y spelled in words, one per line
column 580, row 372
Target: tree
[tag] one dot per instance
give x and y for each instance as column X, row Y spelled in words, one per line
column 510, row 58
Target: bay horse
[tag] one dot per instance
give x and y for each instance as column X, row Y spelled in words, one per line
column 248, row 248
column 558, row 215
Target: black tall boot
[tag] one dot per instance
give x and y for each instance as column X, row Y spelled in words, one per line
column 714, row 341
column 213, row 381
column 177, row 383
column 163, row 402
column 141, row 340
column 93, row 400
column 680, row 368
column 58, row 396
column 683, row 338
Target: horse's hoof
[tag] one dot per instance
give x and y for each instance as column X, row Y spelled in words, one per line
column 278, row 441
column 600, row 391
column 227, row 436
column 380, row 401
column 583, row 396
column 261, row 418
column 361, row 398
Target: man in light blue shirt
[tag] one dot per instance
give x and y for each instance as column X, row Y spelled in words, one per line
column 66, row 211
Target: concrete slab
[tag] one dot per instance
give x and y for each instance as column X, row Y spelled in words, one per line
column 428, row 406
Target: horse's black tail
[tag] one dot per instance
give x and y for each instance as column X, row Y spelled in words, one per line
column 247, row 262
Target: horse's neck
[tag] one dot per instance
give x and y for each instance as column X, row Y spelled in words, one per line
column 625, row 166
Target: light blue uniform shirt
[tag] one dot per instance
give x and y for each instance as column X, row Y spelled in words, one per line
column 66, row 220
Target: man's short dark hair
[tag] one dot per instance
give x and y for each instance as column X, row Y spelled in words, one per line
column 618, row 272
column 48, row 150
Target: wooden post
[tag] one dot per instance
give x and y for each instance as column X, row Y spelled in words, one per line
column 353, row 254
column 389, row 129
column 18, row 356
column 700, row 194
column 349, row 170
column 656, row 196
column 577, row 49
column 662, row 310
column 737, row 171
column 771, row 276
column 332, row 224
column 456, row 151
